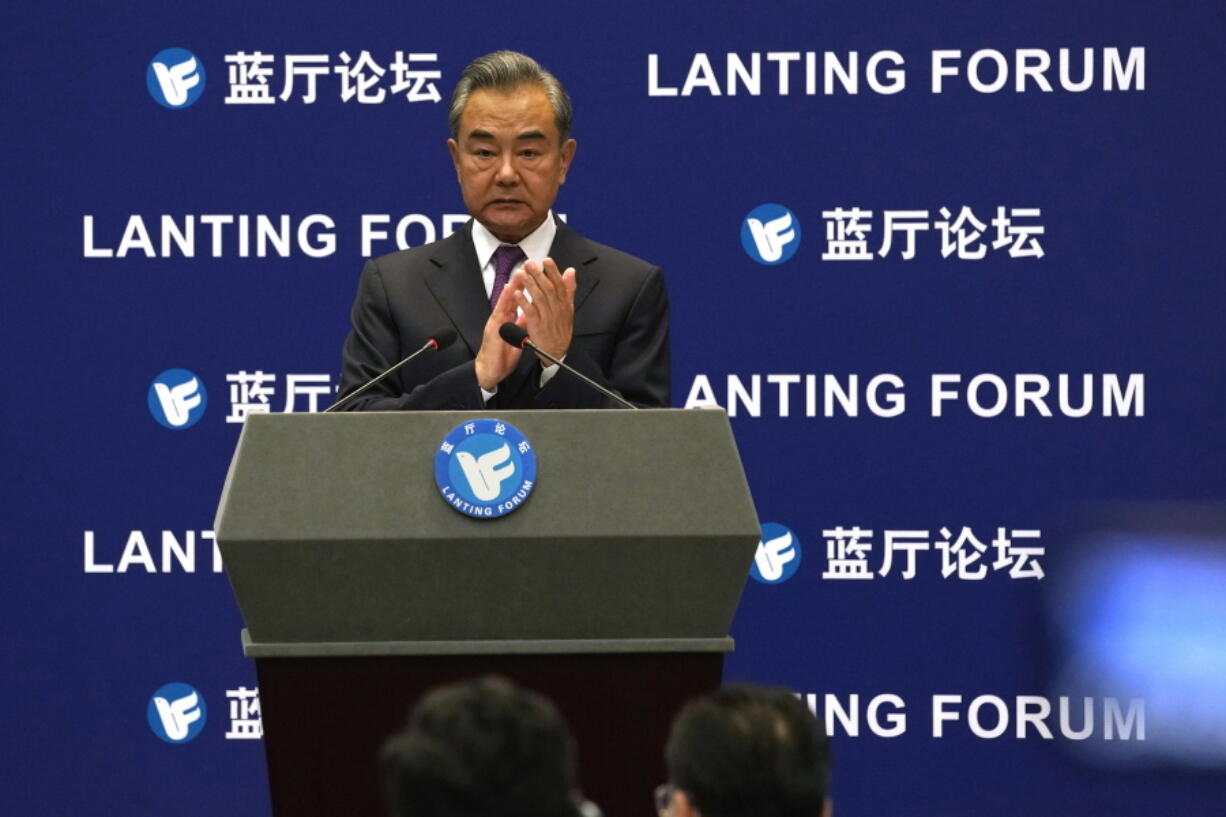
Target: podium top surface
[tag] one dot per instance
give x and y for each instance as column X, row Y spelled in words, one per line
column 370, row 476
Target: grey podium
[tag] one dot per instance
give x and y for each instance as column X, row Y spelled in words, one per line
column 611, row 589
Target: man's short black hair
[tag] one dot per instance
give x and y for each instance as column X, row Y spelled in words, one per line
column 750, row 751
column 481, row 748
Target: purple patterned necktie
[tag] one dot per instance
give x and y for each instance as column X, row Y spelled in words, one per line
column 505, row 259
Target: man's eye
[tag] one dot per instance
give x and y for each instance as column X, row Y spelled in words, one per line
column 483, row 153
column 529, row 154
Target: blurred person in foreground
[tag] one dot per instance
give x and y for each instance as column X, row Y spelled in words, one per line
column 746, row 751
column 482, row 748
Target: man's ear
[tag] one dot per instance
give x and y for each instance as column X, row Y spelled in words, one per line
column 454, row 150
column 683, row 806
column 568, row 154
column 827, row 808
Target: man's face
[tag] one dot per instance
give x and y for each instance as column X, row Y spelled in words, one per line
column 510, row 159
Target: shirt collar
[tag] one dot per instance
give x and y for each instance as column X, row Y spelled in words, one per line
column 535, row 245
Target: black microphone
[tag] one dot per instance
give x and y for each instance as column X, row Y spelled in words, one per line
column 517, row 337
column 440, row 340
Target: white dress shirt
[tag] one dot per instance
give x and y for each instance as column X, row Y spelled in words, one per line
column 535, row 246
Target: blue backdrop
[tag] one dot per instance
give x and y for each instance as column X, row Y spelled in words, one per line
column 1080, row 237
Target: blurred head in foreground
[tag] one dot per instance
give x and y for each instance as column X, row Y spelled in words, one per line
column 481, row 748
column 746, row 751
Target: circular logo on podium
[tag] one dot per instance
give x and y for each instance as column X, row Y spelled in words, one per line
column 485, row 468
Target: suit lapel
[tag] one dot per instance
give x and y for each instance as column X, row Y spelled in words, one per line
column 455, row 282
column 571, row 250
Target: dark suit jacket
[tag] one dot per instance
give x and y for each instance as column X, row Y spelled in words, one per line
column 620, row 332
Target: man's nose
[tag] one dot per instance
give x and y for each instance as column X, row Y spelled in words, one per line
column 507, row 174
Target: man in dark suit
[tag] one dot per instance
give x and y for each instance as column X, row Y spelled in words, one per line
column 600, row 310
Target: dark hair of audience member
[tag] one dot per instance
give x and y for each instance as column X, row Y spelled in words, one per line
column 482, row 748
column 749, row 751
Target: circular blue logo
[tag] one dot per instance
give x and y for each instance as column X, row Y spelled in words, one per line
column 177, row 399
column 770, row 234
column 778, row 555
column 485, row 468
column 176, row 713
column 175, row 78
